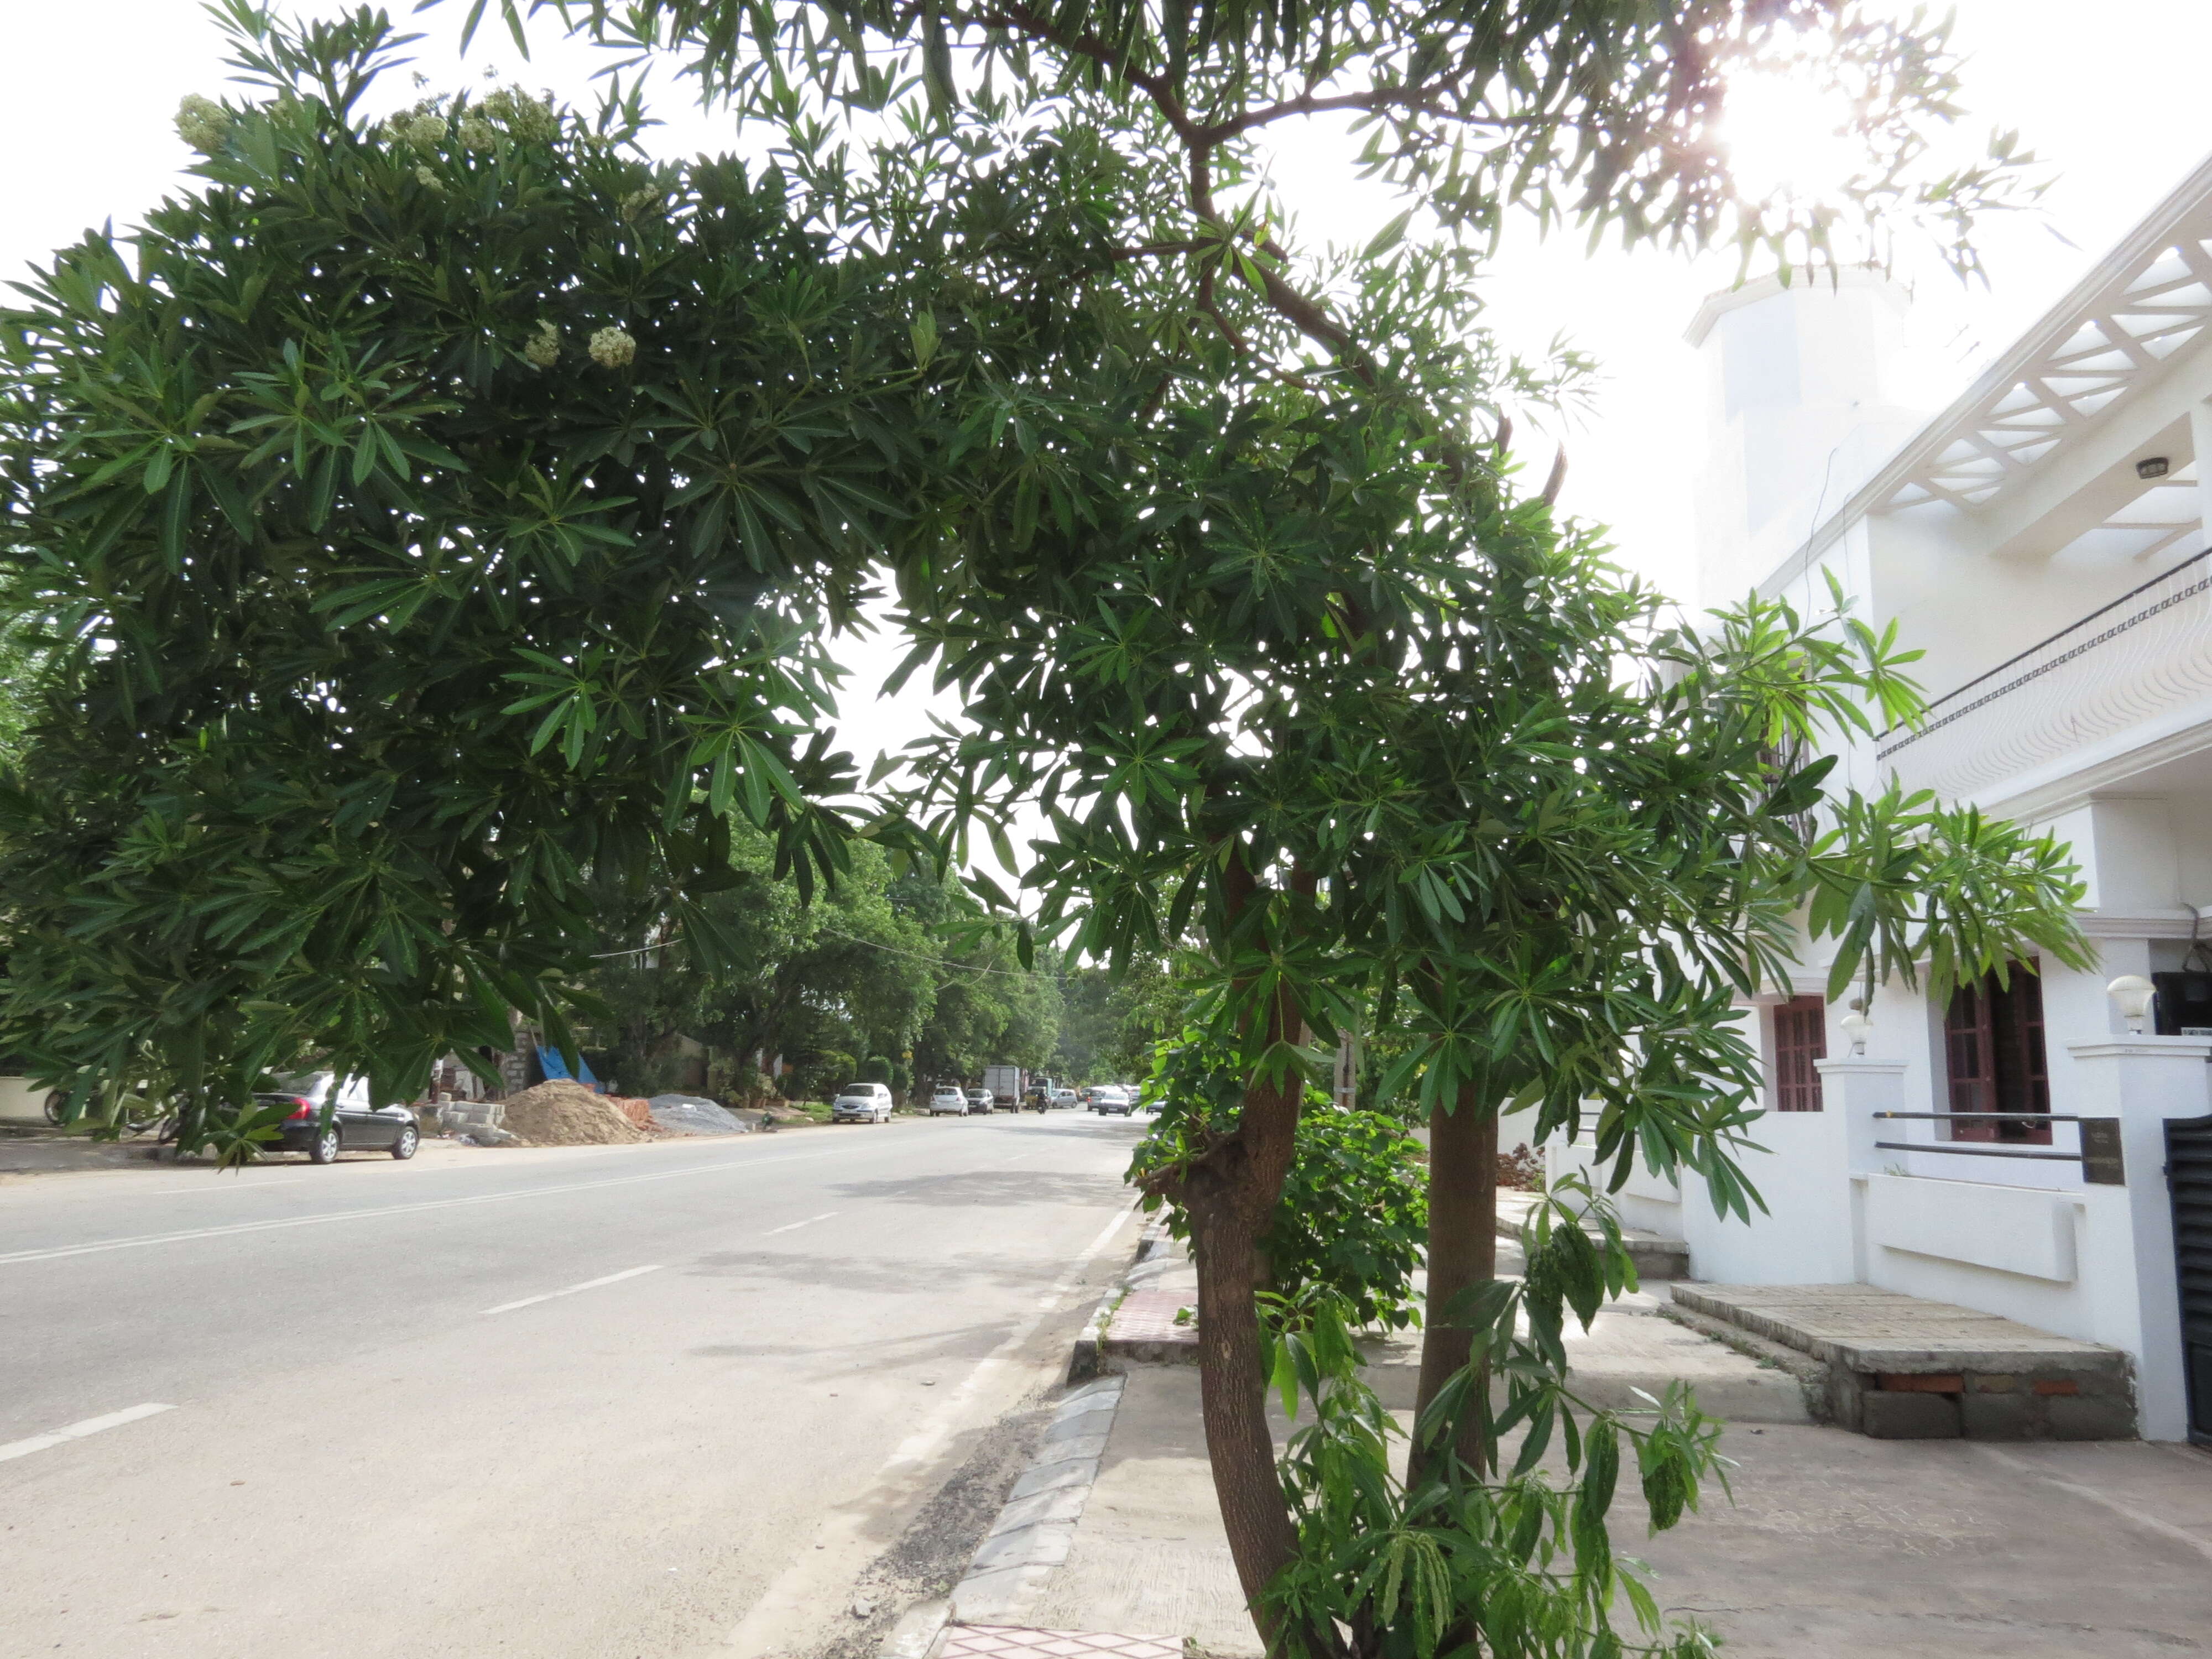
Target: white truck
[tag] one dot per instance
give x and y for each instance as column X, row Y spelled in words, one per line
column 1006, row 1084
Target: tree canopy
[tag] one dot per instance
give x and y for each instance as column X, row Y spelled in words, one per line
column 430, row 518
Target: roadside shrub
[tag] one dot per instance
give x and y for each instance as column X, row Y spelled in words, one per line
column 876, row 1068
column 1354, row 1216
column 1354, row 1213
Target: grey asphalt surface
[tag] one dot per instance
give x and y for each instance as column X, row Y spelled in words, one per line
column 842, row 1333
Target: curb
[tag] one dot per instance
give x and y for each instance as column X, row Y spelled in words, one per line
column 1036, row 1529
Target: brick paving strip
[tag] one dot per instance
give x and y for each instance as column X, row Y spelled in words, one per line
column 1017, row 1642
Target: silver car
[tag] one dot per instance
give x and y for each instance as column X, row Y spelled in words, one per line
column 862, row 1103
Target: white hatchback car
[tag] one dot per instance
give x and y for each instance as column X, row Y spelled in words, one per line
column 948, row 1099
column 862, row 1103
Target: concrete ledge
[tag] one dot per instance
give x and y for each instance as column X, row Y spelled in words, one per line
column 916, row 1631
column 1902, row 1368
column 1626, row 1356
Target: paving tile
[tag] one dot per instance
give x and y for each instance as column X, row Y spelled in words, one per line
column 1150, row 1316
column 1018, row 1642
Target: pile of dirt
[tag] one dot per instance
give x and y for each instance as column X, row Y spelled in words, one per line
column 561, row 1113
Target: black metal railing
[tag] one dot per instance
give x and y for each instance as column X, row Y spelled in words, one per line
column 2100, row 1157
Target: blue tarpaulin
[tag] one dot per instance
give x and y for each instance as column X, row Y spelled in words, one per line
column 550, row 1063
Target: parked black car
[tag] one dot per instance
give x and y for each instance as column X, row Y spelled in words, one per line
column 354, row 1123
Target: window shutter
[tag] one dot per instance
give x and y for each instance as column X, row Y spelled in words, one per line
column 1801, row 1037
column 1969, row 1055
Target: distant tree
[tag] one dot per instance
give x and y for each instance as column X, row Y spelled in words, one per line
column 849, row 973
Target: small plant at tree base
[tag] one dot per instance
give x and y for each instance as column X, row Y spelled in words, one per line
column 1413, row 1564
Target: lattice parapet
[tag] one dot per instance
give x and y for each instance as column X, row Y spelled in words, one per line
column 2154, row 306
column 2142, row 657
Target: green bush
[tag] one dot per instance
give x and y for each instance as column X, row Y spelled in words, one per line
column 1354, row 1213
column 876, row 1068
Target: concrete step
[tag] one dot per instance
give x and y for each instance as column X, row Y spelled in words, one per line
column 1656, row 1258
column 1901, row 1368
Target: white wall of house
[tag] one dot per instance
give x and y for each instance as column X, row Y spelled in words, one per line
column 2038, row 541
column 20, row 1102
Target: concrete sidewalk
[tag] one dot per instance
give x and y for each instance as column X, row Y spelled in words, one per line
column 1631, row 1349
column 1834, row 1547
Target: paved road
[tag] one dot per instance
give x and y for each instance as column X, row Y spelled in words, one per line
column 379, row 1440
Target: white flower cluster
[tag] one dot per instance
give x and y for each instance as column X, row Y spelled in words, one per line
column 420, row 128
column 638, row 201
column 203, row 123
column 542, row 348
column 611, row 347
column 428, row 179
column 476, row 133
column 533, row 120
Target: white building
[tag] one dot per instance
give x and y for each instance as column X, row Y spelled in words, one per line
column 2043, row 540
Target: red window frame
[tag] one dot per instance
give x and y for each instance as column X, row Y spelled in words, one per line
column 1801, row 1037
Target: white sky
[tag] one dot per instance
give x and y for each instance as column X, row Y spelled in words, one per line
column 2109, row 97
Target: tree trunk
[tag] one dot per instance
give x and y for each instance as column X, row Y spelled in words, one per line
column 1230, row 1195
column 1462, row 1243
column 1233, row 1392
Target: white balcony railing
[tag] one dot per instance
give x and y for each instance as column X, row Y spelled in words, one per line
column 2147, row 654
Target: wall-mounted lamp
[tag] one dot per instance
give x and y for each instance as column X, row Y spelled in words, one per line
column 1856, row 1028
column 2131, row 994
column 2154, row 467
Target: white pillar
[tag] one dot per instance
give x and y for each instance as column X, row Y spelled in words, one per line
column 2143, row 1081
column 1852, row 1091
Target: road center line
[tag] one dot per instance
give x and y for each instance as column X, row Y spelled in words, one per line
column 39, row 1442
column 740, row 1165
column 588, row 1285
column 794, row 1227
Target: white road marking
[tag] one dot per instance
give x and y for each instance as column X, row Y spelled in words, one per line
column 588, row 1285
column 39, row 1442
column 738, row 1163
column 794, row 1227
column 925, row 1441
column 790, row 1601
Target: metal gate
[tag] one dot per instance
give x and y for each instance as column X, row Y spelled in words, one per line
column 2189, row 1179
